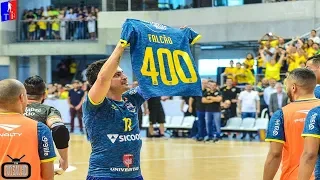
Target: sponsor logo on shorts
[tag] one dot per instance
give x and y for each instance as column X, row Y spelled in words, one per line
column 45, row 144
column 124, row 138
column 16, row 169
column 312, row 121
column 276, row 127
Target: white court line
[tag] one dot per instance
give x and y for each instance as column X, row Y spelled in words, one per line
column 188, row 158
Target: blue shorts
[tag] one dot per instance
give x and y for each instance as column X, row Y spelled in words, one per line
column 106, row 178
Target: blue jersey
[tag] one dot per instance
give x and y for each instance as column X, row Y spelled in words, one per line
column 275, row 131
column 161, row 58
column 317, row 91
column 312, row 129
column 113, row 131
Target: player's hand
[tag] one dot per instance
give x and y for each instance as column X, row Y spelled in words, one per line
column 190, row 109
column 63, row 164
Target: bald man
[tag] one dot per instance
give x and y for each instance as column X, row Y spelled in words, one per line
column 22, row 138
column 286, row 126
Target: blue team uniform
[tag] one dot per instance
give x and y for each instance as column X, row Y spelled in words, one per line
column 317, row 91
column 161, row 58
column 312, row 129
column 113, row 131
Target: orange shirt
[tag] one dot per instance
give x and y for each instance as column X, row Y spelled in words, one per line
column 286, row 126
column 19, row 138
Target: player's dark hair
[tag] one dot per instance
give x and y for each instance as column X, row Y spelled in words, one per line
column 304, row 78
column 315, row 59
column 35, row 87
column 93, row 71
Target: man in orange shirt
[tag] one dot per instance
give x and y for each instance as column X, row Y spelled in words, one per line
column 27, row 150
column 286, row 126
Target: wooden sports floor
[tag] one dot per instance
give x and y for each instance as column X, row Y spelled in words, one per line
column 183, row 159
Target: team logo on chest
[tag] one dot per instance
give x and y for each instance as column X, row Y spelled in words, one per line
column 130, row 107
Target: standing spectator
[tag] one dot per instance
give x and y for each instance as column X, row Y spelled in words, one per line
column 314, row 37
column 43, row 27
column 156, row 115
column 201, row 111
column 267, row 93
column 92, row 26
column 278, row 99
column 249, row 105
column 239, row 75
column 268, row 52
column 260, row 89
column 212, row 99
column 63, row 26
column 230, row 92
column 273, row 67
column 76, row 97
column 249, row 61
column 230, row 71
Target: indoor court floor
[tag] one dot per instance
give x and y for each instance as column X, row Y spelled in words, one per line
column 183, row 159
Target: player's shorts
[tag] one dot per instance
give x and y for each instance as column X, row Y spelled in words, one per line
column 105, row 178
column 157, row 115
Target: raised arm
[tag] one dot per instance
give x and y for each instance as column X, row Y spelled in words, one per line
column 101, row 87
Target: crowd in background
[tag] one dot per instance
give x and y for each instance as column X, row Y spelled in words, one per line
column 67, row 23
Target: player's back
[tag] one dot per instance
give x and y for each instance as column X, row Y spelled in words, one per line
column 294, row 115
column 19, row 139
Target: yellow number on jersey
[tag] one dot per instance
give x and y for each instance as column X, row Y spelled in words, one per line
column 174, row 67
column 127, row 124
column 148, row 61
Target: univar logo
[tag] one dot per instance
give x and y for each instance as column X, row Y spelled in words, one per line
column 9, row 127
column 123, row 138
column 9, row 10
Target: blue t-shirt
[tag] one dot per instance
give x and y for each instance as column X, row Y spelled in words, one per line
column 113, row 131
column 45, row 143
column 275, row 131
column 312, row 129
column 161, row 58
column 317, row 91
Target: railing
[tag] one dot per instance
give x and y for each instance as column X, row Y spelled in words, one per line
column 57, row 30
column 302, row 36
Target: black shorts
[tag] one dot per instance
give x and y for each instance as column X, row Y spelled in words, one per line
column 157, row 116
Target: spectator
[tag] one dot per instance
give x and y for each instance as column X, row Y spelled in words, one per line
column 278, row 99
column 249, row 105
column 239, row 74
column 186, row 112
column 268, row 52
column 225, row 112
column 230, row 92
column 314, row 37
column 212, row 99
column 249, row 61
column 260, row 89
column 76, row 97
column 273, row 67
column 156, row 115
column 230, row 71
column 248, row 75
column 92, row 26
column 268, row 91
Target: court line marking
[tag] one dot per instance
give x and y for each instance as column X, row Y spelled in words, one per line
column 188, row 158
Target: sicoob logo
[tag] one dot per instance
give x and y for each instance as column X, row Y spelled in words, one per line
column 16, row 169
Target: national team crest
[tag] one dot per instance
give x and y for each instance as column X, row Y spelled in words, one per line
column 127, row 160
column 130, row 107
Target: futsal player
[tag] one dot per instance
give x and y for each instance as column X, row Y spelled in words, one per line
column 22, row 138
column 313, row 64
column 110, row 116
column 50, row 116
column 286, row 126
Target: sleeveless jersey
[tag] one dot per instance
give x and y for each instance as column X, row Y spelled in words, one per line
column 286, row 126
column 161, row 58
column 24, row 144
column 113, row 131
column 312, row 128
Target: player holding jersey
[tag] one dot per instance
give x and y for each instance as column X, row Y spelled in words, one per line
column 110, row 115
column 313, row 64
column 286, row 126
column 50, row 116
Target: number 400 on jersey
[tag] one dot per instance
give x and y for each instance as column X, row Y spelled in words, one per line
column 175, row 70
